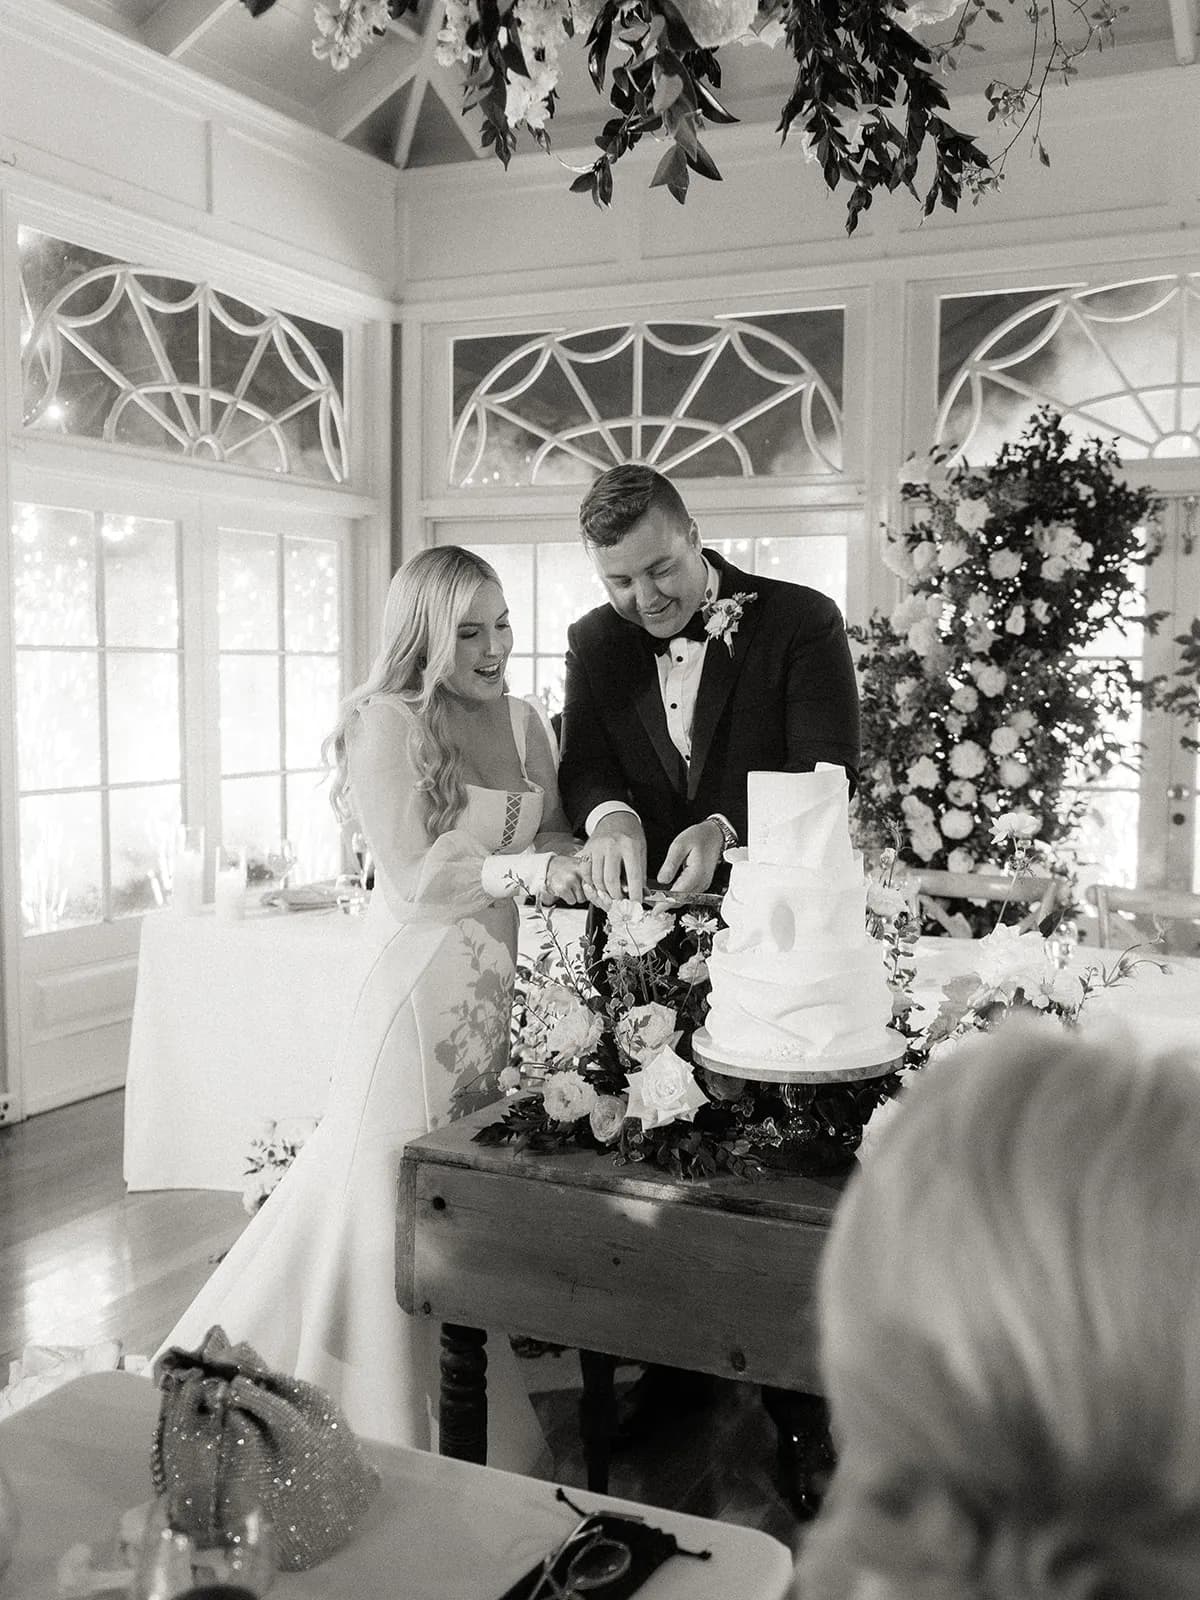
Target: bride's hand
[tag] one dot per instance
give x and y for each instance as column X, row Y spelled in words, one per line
column 564, row 881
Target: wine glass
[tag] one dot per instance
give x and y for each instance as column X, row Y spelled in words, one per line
column 248, row 1553
column 281, row 863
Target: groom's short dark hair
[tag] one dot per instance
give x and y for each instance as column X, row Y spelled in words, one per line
column 622, row 496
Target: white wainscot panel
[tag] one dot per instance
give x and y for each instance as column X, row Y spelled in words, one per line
column 325, row 199
column 457, row 228
column 82, row 997
column 75, row 110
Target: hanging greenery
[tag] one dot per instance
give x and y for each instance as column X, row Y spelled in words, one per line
column 867, row 101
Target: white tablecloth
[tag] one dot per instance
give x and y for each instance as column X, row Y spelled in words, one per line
column 439, row 1529
column 234, row 1023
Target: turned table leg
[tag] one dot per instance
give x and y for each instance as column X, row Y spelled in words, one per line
column 597, row 1416
column 462, row 1408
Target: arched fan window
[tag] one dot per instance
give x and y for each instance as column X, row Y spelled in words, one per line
column 1121, row 360
column 729, row 398
column 131, row 356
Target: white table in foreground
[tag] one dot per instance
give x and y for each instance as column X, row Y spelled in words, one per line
column 234, row 1024
column 439, row 1529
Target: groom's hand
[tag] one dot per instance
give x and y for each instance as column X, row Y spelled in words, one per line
column 614, row 860
column 691, row 862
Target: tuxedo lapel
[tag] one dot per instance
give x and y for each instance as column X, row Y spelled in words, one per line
column 721, row 669
column 635, row 680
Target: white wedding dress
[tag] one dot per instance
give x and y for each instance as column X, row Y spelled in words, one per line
column 310, row 1281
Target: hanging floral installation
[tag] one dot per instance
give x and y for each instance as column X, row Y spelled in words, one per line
column 867, row 101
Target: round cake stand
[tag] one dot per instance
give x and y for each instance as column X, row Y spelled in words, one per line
column 802, row 1119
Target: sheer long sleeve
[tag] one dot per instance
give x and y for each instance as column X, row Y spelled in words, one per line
column 445, row 879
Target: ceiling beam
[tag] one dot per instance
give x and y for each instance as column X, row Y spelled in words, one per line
column 1183, row 25
column 175, row 25
column 416, row 95
column 388, row 63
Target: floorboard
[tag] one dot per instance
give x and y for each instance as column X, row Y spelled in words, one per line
column 83, row 1261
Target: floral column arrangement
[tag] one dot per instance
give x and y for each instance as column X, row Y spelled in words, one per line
column 978, row 697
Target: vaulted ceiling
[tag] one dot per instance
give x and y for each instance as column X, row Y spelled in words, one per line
column 396, row 103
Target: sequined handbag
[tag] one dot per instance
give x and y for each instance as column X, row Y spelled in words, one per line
column 232, row 1435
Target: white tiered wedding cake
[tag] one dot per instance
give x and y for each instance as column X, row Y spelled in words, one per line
column 797, row 983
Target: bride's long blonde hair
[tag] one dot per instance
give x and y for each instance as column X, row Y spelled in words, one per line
column 428, row 598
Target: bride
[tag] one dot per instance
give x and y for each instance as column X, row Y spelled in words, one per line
column 453, row 783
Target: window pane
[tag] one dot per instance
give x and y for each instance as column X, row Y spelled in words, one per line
column 54, row 576
column 520, row 675
column 250, row 815
column 1107, row 838
column 313, row 828
column 141, row 834
column 567, row 586
column 312, row 693
column 143, row 716
column 310, row 595
column 514, row 568
column 249, row 714
column 141, row 598
column 60, row 862
column 58, row 719
column 248, row 591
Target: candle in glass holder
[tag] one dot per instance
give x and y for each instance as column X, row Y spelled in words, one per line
column 229, row 884
column 187, row 886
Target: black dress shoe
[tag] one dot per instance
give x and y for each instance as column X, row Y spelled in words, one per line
column 661, row 1396
column 804, row 1453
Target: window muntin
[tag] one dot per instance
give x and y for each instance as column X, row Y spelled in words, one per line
column 118, row 352
column 1120, row 359
column 730, row 398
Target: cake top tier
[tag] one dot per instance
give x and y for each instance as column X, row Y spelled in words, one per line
column 801, row 819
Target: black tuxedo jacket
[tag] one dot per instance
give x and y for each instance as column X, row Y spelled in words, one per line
column 784, row 699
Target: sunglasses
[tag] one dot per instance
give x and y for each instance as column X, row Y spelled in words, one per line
column 588, row 1558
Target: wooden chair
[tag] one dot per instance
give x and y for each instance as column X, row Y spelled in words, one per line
column 1040, row 894
column 1137, row 916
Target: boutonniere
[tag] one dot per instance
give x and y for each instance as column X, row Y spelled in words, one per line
column 722, row 617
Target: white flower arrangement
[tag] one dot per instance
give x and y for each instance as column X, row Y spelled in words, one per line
column 722, row 618
column 273, row 1147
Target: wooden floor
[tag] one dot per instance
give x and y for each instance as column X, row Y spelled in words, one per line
column 82, row 1261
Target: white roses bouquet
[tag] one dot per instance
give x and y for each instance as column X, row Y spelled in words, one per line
column 978, row 696
column 602, row 1045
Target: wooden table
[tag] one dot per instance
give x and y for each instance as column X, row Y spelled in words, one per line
column 717, row 1276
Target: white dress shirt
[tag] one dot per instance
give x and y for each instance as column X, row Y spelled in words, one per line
column 679, row 670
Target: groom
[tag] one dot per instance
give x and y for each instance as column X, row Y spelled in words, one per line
column 693, row 675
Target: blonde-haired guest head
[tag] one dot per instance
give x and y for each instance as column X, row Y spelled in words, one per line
column 428, row 599
column 1010, row 1312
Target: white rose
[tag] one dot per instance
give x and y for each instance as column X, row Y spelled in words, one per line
column 1023, row 721
column 606, row 1117
column 956, row 824
column 911, row 609
column 1015, row 825
column 952, row 554
column 991, row 680
column 961, row 793
column 633, row 929
column 1054, row 569
column 923, row 555
column 1041, row 611
column 713, row 23
column 926, row 842
column 924, row 773
column 955, row 723
column 573, row 1033
column 1080, row 555
column 965, row 698
column 967, row 760
column 928, row 470
column 960, row 861
column 695, row 968
column 1004, row 741
column 916, row 812
column 971, row 514
column 644, row 1030
column 897, row 559
column 1004, row 563
column 923, row 637
column 567, row 1096
column 981, row 636
column 510, row 1079
column 1014, row 774
column 979, row 604
column 665, row 1090
column 923, row 13
column 1016, row 621
column 884, row 901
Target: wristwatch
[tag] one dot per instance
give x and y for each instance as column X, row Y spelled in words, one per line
column 729, row 837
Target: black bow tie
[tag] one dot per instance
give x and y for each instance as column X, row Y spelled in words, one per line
column 693, row 629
